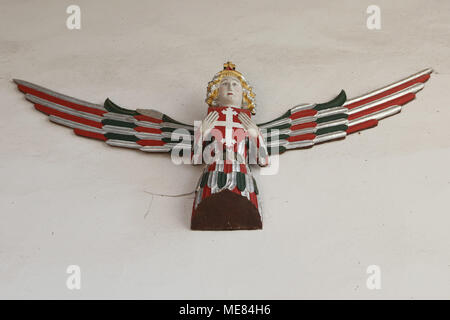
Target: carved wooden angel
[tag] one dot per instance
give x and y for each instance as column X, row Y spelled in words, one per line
column 226, row 196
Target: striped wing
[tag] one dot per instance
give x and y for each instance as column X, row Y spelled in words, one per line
column 143, row 129
column 306, row 125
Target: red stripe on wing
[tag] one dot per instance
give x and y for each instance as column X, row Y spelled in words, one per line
column 149, row 130
column 62, row 102
column 151, row 142
column 50, row 111
column 90, row 134
column 304, row 113
column 302, row 137
column 423, row 78
column 398, row 101
column 361, row 126
column 303, row 126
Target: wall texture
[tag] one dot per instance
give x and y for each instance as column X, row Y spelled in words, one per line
column 375, row 198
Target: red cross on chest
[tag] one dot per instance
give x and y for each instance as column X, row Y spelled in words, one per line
column 228, row 124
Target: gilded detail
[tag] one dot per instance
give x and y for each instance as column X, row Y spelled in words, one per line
column 229, row 70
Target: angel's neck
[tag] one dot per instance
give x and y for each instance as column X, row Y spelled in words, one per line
column 231, row 105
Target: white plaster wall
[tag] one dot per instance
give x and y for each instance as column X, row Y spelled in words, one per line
column 380, row 197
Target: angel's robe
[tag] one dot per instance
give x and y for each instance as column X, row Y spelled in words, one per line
column 226, row 196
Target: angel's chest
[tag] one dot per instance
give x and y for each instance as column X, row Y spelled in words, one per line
column 228, row 128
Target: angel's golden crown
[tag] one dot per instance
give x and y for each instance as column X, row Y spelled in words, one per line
column 229, row 69
column 229, row 66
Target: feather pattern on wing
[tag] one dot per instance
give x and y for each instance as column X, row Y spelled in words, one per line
column 310, row 124
column 143, row 129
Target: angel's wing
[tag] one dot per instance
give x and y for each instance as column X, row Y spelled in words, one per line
column 143, row 129
column 310, row 124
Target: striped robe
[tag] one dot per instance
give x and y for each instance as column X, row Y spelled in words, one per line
column 231, row 171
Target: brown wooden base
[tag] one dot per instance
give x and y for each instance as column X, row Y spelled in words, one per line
column 226, row 210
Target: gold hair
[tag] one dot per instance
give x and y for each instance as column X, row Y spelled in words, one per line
column 229, row 71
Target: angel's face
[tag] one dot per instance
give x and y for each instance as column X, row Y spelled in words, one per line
column 230, row 92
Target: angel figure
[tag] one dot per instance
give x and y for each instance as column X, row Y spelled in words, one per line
column 226, row 196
